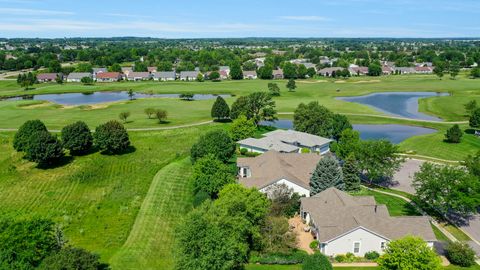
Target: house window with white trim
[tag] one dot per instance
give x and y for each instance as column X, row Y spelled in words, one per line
column 356, row 247
column 382, row 245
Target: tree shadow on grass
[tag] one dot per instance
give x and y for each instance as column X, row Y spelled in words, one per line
column 129, row 150
column 90, row 151
column 227, row 120
column 65, row 160
column 164, row 122
column 470, row 131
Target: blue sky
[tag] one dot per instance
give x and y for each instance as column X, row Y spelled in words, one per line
column 245, row 18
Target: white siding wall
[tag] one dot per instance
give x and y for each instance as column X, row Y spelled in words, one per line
column 296, row 188
column 368, row 242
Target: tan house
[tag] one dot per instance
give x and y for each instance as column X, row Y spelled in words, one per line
column 343, row 223
column 270, row 168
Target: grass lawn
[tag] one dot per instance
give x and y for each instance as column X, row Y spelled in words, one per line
column 456, row 232
column 96, row 198
column 439, row 234
column 396, row 206
column 150, row 244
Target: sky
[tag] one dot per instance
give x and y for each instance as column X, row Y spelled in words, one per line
column 244, row 18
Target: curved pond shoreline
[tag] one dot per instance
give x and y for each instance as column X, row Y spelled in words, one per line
column 391, row 132
column 402, row 104
column 75, row 99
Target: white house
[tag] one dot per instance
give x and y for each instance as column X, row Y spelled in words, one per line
column 164, row 76
column 343, row 223
column 189, row 75
column 78, row 76
column 270, row 168
column 138, row 76
column 287, row 141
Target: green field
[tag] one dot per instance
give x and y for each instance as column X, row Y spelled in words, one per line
column 97, row 198
column 299, row 267
column 396, row 206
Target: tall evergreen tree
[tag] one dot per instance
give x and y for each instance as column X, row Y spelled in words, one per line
column 454, row 134
column 475, row 119
column 220, row 109
column 327, row 174
column 351, row 174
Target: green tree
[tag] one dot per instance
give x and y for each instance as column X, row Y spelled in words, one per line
column 475, row 119
column 161, row 115
column 220, row 109
column 265, row 72
column 327, row 174
column 285, row 202
column 24, row 244
column 54, row 67
column 351, row 174
column 115, row 68
column 140, row 67
column 302, row 71
column 348, row 143
column 44, row 148
column 236, row 72
column 409, row 253
column 317, row 261
column 86, row 80
column 149, row 112
column 25, row 132
column 339, row 123
column 242, row 128
column 164, row 66
column 59, row 79
column 200, row 77
column 454, row 134
column 273, row 89
column 277, row 237
column 472, row 163
column 257, row 106
column 77, row 138
column 313, row 118
column 124, row 116
column 449, row 190
column 71, row 258
column 460, row 253
column 84, row 67
column 214, row 76
column 374, row 69
column 311, row 72
column 217, row 143
column 439, row 70
column 289, row 70
column 111, row 137
column 475, row 73
column 378, row 160
column 454, row 70
column 291, row 85
column 471, row 106
column 130, row 94
column 211, row 175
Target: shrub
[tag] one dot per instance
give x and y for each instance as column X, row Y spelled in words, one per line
column 72, row 258
column 22, row 137
column 317, row 261
column 77, row 138
column 340, row 258
column 372, row 255
column 111, row 137
column 461, row 254
column 161, row 115
column 305, row 150
column 454, row 134
column 243, row 151
column 149, row 112
column 44, row 148
column 200, row 197
column 294, row 257
column 217, row 143
column 124, row 116
column 252, row 154
column 314, row 244
column 350, row 257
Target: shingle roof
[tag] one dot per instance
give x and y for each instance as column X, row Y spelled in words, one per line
column 273, row 166
column 78, row 75
column 164, row 75
column 132, row 75
column 189, row 74
column 108, row 75
column 99, row 70
column 47, row 76
column 292, row 136
column 335, row 213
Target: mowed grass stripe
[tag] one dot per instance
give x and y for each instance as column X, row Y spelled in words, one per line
column 150, row 244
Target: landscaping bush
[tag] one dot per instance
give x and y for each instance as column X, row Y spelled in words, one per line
column 340, row 258
column 305, row 150
column 252, row 154
column 461, row 254
column 217, row 143
column 200, row 197
column 243, row 151
column 22, row 137
column 294, row 257
column 77, row 138
column 314, row 244
column 112, row 137
column 372, row 255
column 317, row 261
column 44, row 148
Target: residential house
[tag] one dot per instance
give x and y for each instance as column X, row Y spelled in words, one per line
column 99, row 70
column 223, row 74
column 164, row 76
column 127, row 70
column 310, row 65
column 329, row 72
column 250, row 75
column 259, row 54
column 108, row 77
column 47, row 77
column 274, row 168
column 404, row 70
column 225, row 69
column 358, row 71
column 78, row 76
column 386, row 70
column 278, row 52
column 286, row 141
column 138, row 76
column 424, row 70
column 189, row 75
column 152, row 69
column 278, row 74
column 357, row 224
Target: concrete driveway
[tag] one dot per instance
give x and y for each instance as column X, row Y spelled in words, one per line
column 402, row 180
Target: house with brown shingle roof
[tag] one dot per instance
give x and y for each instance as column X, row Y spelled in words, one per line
column 357, row 224
column 108, row 77
column 273, row 168
column 48, row 77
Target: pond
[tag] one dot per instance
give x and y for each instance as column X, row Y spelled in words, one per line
column 402, row 104
column 394, row 133
column 102, row 97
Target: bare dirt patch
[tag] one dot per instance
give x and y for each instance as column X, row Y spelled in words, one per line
column 313, row 82
column 371, row 81
column 303, row 238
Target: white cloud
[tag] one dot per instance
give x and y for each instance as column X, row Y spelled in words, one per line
column 26, row 11
column 304, row 18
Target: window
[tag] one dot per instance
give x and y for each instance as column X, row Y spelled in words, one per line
column 356, row 247
column 304, row 215
column 382, row 245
